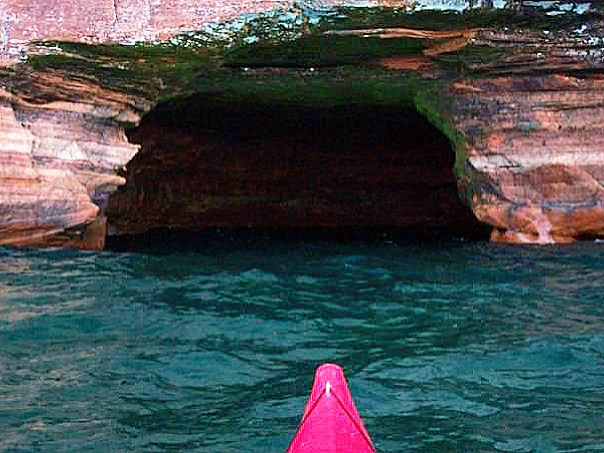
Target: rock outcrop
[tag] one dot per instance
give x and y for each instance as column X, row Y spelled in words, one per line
column 520, row 98
column 533, row 135
column 97, row 21
column 59, row 161
column 535, row 156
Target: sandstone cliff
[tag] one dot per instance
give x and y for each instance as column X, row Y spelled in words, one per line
column 518, row 96
column 59, row 161
column 537, row 159
column 533, row 132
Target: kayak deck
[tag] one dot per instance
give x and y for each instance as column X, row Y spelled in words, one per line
column 331, row 422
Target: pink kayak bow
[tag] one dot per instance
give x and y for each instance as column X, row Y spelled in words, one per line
column 331, row 422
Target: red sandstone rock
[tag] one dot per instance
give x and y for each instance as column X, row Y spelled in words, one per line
column 534, row 144
column 103, row 20
column 55, row 158
column 535, row 155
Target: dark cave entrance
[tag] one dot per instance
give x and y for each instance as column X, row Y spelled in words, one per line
column 210, row 168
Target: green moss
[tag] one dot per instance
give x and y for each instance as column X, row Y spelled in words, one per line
column 434, row 103
column 322, row 50
column 149, row 71
column 164, row 70
column 322, row 88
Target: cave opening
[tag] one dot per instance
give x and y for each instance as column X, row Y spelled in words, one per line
column 210, row 169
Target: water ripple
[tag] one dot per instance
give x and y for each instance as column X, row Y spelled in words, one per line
column 455, row 347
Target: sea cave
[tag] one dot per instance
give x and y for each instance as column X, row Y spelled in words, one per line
column 211, row 167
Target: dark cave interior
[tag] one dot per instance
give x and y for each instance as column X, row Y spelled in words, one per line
column 209, row 169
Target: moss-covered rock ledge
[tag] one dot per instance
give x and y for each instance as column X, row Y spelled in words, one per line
column 517, row 94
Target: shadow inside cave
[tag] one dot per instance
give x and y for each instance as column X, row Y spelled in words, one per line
column 209, row 169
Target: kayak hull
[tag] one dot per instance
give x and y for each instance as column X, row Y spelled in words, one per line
column 331, row 422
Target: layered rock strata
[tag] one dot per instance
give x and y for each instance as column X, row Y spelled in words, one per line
column 520, row 100
column 58, row 162
column 532, row 136
column 535, row 156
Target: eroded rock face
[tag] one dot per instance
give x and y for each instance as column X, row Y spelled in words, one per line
column 535, row 155
column 248, row 166
column 58, row 163
column 527, row 133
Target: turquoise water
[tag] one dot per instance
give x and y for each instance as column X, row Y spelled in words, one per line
column 447, row 347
